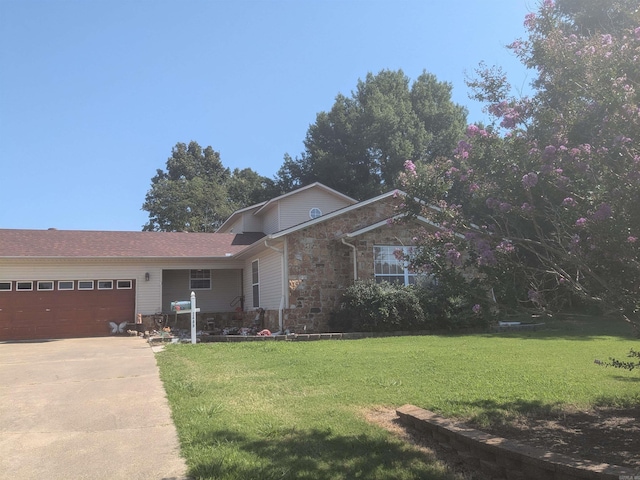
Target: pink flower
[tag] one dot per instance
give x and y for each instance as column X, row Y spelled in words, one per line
column 410, row 167
column 529, row 180
column 603, row 212
column 505, row 247
column 530, row 20
column 631, row 239
column 569, row 202
column 581, row 222
column 476, row 308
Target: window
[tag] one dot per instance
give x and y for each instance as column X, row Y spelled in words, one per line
column 65, row 285
column 255, row 283
column 85, row 284
column 24, row 286
column 5, row 286
column 391, row 268
column 124, row 284
column 105, row 284
column 45, row 285
column 315, row 212
column 200, row 279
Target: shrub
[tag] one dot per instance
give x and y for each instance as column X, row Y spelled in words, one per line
column 378, row 307
column 451, row 309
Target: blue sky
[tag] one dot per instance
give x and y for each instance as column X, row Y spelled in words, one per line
column 94, row 94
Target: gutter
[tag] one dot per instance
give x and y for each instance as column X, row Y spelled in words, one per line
column 283, row 290
column 355, row 258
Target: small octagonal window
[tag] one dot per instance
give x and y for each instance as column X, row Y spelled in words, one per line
column 315, row 212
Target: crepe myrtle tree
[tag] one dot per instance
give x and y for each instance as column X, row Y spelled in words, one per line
column 544, row 203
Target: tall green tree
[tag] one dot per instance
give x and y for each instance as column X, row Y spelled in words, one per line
column 196, row 192
column 545, row 202
column 360, row 145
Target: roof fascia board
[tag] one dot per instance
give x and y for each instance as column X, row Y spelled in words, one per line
column 331, row 215
column 235, row 214
column 386, row 222
column 301, row 189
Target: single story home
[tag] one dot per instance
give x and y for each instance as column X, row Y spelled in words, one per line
column 289, row 258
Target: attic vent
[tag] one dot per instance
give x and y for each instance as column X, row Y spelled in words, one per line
column 315, row 212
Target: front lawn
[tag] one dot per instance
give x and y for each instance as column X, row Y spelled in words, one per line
column 290, row 410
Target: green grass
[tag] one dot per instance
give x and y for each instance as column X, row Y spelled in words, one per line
column 291, row 410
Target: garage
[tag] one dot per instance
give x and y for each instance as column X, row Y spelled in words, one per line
column 43, row 309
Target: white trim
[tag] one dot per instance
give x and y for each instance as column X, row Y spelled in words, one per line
column 30, row 289
column 118, row 287
column 307, row 187
column 86, row 281
column 255, row 284
column 191, row 287
column 314, row 213
column 50, row 282
column 73, row 285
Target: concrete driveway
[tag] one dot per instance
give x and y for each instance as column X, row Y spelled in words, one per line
column 89, row 408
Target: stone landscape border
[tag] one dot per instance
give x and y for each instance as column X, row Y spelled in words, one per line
column 503, row 459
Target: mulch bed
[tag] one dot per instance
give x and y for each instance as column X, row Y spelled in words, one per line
column 604, row 435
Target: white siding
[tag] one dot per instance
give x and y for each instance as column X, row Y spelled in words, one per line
column 236, row 227
column 270, row 276
column 271, row 220
column 251, row 222
column 295, row 208
column 225, row 287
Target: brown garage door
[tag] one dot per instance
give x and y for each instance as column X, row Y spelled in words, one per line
column 32, row 310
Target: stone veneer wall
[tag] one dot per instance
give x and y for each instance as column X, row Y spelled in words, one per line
column 321, row 266
column 502, row 459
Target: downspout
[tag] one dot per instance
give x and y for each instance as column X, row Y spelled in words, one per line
column 282, row 264
column 355, row 258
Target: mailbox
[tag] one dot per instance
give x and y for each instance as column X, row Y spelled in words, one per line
column 180, row 306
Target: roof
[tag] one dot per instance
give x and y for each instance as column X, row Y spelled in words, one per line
column 336, row 213
column 110, row 244
column 260, row 207
column 307, row 187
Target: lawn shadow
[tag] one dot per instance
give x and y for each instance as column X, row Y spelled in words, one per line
column 575, row 432
column 569, row 327
column 315, row 454
column 498, row 413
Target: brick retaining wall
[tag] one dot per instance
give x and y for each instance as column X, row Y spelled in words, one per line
column 502, row 459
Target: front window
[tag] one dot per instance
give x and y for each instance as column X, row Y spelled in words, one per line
column 255, row 283
column 200, row 280
column 390, row 265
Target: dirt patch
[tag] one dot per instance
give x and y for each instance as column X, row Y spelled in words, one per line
column 606, row 435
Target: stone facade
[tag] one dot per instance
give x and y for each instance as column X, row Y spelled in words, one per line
column 321, row 266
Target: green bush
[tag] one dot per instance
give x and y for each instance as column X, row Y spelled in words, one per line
column 378, row 307
column 447, row 309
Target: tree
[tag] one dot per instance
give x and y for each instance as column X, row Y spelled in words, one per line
column 196, row 193
column 544, row 202
column 368, row 136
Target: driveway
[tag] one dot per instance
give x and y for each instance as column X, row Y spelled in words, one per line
column 88, row 408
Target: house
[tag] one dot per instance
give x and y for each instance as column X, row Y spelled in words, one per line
column 288, row 258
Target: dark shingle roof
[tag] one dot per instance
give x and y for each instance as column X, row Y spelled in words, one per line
column 106, row 244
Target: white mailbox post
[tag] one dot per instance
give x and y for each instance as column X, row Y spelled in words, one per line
column 193, row 317
column 181, row 307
